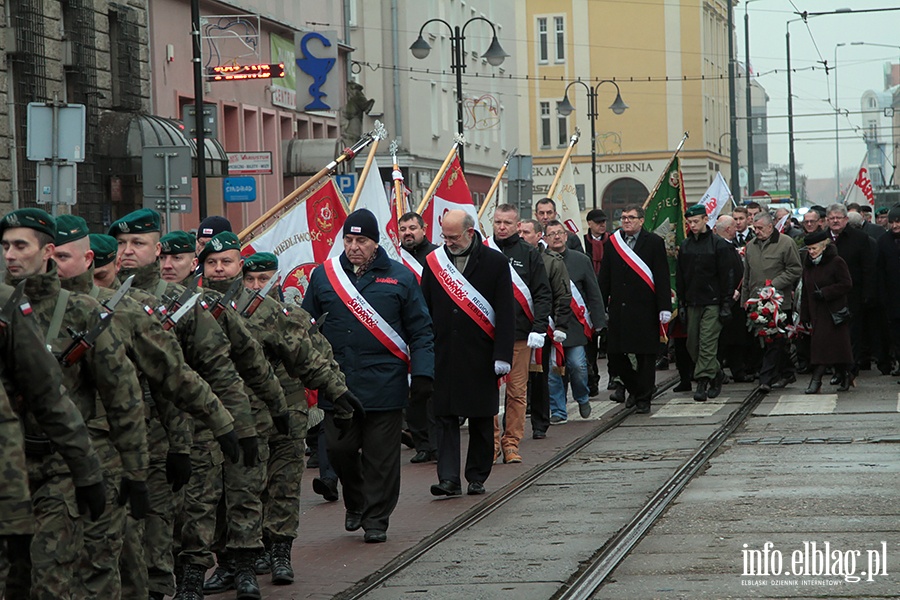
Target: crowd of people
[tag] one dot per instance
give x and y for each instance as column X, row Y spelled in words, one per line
column 153, row 423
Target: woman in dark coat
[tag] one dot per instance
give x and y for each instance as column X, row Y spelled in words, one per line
column 826, row 283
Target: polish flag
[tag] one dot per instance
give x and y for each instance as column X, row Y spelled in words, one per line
column 452, row 193
column 303, row 237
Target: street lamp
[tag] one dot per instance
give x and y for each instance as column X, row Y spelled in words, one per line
column 495, row 56
column 837, row 110
column 565, row 108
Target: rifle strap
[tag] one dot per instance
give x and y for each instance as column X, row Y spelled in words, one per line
column 58, row 313
column 160, row 288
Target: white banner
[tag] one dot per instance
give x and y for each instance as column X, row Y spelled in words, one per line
column 566, row 199
column 716, row 197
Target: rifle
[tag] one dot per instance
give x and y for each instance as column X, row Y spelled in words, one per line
column 170, row 321
column 226, row 300
column 84, row 340
column 257, row 298
column 111, row 304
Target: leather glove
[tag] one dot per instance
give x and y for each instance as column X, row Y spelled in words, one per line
column 135, row 493
column 818, row 295
column 536, row 340
column 228, row 442
column 501, row 367
column 250, row 449
column 665, row 316
column 724, row 313
column 91, row 499
column 559, row 336
column 421, row 388
column 346, row 407
column 282, row 423
column 178, row 470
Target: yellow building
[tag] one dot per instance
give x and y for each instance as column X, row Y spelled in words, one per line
column 670, row 61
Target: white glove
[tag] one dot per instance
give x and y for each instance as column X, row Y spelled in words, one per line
column 501, row 367
column 559, row 336
column 665, row 316
column 536, row 340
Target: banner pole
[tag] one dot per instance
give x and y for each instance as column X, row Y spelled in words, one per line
column 495, row 184
column 440, row 175
column 397, row 176
column 562, row 164
column 365, row 173
column 665, row 170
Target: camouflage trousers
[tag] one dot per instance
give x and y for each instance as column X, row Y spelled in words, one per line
column 46, row 572
column 284, row 475
column 239, row 516
column 196, row 520
column 15, row 498
column 97, row 570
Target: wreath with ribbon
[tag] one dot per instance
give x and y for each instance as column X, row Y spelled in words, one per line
column 764, row 315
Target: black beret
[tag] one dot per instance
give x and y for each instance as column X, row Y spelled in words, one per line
column 596, row 215
column 816, row 237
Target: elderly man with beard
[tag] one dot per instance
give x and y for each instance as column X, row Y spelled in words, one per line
column 468, row 289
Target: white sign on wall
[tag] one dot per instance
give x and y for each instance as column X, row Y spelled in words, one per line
column 249, row 163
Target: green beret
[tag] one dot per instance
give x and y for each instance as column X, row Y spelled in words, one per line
column 220, row 243
column 260, row 262
column 697, row 210
column 105, row 248
column 32, row 218
column 143, row 220
column 70, row 228
column 178, row 242
column 882, row 211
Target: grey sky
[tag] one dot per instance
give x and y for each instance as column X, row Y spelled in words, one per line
column 860, row 68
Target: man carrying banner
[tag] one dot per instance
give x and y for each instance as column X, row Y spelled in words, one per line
column 414, row 247
column 534, row 300
column 545, row 211
column 380, row 330
column 634, row 283
column 468, row 290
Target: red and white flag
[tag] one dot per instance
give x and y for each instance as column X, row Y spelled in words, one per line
column 452, row 193
column 716, row 197
column 303, row 237
column 566, row 199
column 861, row 190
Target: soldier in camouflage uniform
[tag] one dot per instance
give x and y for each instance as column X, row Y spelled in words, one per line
column 115, row 421
column 32, row 376
column 170, row 387
column 138, row 237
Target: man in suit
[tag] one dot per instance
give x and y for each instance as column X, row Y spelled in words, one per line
column 743, row 233
column 634, row 283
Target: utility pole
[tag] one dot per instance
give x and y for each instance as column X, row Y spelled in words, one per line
column 732, row 102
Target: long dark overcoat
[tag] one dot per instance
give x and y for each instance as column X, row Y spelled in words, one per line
column 464, row 380
column 632, row 306
column 830, row 344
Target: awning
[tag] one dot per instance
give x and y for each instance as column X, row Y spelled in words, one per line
column 123, row 136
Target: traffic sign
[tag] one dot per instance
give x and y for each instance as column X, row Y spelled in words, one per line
column 67, row 134
column 68, row 184
column 239, row 189
column 346, row 183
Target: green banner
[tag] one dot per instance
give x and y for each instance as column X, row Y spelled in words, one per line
column 664, row 213
column 284, row 91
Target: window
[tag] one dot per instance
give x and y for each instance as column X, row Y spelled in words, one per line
column 560, row 29
column 543, row 42
column 545, row 124
column 562, row 123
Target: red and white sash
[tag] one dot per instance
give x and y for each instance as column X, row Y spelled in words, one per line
column 632, row 259
column 463, row 293
column 410, row 261
column 520, row 289
column 363, row 311
column 579, row 307
column 557, row 355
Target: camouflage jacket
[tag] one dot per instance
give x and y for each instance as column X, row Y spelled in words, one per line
column 205, row 346
column 155, row 352
column 251, row 362
column 104, row 370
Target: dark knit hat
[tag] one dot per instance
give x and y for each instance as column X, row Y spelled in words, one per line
column 143, row 220
column 212, row 226
column 697, row 210
column 260, row 262
column 70, row 228
column 105, row 248
column 816, row 237
column 362, row 222
column 596, row 215
column 32, row 218
column 178, row 242
column 865, row 208
column 894, row 214
column 220, row 242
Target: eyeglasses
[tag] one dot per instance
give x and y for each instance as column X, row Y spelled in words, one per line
column 628, row 218
column 454, row 238
column 555, row 234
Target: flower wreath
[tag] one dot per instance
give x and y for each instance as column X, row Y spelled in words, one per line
column 764, row 315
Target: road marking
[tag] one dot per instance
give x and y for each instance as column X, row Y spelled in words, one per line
column 801, row 404
column 687, row 407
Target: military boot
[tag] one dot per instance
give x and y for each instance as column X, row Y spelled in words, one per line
column 263, row 563
column 190, row 586
column 245, row 576
column 282, row 572
column 222, row 578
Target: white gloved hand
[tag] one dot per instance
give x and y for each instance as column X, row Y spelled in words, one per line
column 501, row 367
column 665, row 316
column 559, row 336
column 536, row 340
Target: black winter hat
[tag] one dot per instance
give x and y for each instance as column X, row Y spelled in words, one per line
column 894, row 214
column 212, row 226
column 362, row 222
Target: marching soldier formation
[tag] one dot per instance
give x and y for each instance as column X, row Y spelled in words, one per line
column 155, row 397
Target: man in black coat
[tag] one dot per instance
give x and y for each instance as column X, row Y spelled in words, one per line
column 855, row 247
column 634, row 282
column 419, row 414
column 887, row 266
column 468, row 290
column 545, row 211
